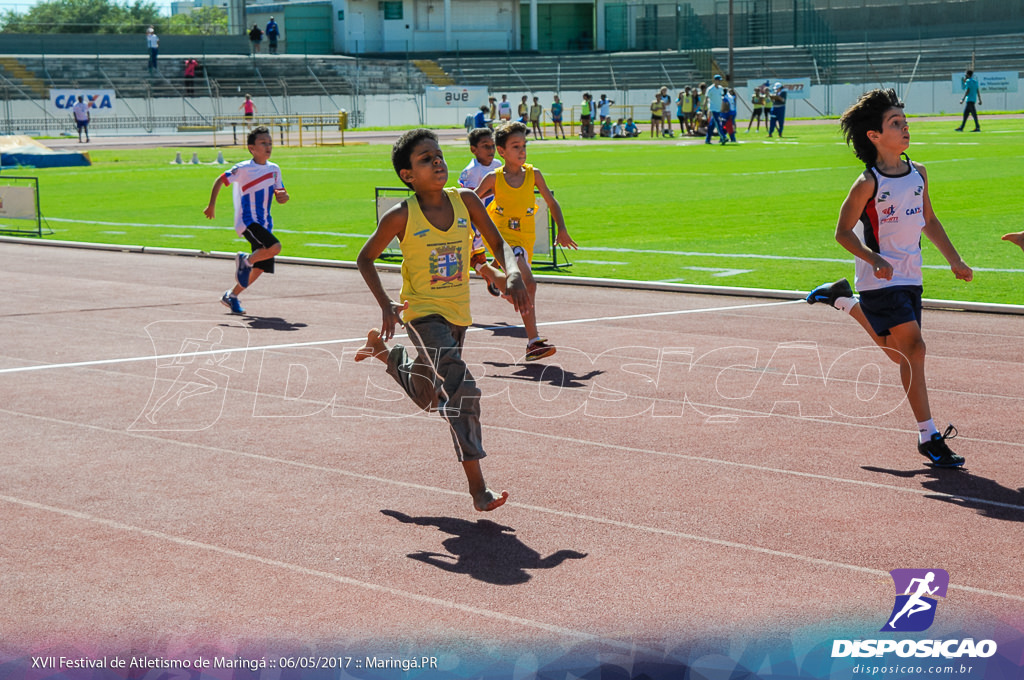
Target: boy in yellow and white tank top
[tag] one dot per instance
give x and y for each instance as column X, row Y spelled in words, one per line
column 433, row 227
column 514, row 209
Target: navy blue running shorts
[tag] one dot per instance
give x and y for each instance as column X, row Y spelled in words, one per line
column 887, row 308
column 258, row 237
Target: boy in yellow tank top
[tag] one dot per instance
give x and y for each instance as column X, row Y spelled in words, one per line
column 433, row 228
column 513, row 211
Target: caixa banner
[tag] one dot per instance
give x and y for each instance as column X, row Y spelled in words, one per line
column 100, row 102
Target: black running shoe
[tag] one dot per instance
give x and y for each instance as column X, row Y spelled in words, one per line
column 830, row 292
column 936, row 451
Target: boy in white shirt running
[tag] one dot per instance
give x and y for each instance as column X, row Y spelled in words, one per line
column 256, row 183
column 881, row 223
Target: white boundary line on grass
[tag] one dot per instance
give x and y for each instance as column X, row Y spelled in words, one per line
column 592, row 249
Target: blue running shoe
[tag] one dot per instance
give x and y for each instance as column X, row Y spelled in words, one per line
column 830, row 292
column 232, row 303
column 242, row 270
column 938, row 453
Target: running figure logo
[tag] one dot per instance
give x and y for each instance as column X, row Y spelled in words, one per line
column 914, row 610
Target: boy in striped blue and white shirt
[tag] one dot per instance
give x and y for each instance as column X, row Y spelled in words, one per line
column 255, row 185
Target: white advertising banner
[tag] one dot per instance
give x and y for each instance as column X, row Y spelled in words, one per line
column 101, row 102
column 455, row 96
column 993, row 81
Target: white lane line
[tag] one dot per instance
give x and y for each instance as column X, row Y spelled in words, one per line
column 306, row 571
column 760, row 256
column 551, row 511
column 316, row 343
column 595, row 249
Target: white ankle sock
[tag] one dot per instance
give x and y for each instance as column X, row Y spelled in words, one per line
column 845, row 304
column 926, row 429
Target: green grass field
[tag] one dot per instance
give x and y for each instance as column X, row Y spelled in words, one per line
column 756, row 214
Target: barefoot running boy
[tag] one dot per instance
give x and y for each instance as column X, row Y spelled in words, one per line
column 481, row 144
column 435, row 236
column 513, row 211
column 881, row 222
column 255, row 185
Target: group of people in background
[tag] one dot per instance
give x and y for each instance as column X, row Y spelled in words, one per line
column 700, row 110
column 272, row 33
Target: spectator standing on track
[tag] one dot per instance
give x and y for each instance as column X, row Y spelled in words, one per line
column 255, row 184
column 556, row 116
column 587, row 117
column 190, row 76
column 881, row 223
column 758, row 100
column 504, row 109
column 523, row 111
column 513, row 210
column 666, row 111
column 714, row 97
column 536, row 111
column 153, row 45
column 777, row 115
column 273, row 32
column 80, row 112
column 255, row 38
column 493, row 104
column 656, row 111
column 604, row 108
column 432, row 226
column 972, row 95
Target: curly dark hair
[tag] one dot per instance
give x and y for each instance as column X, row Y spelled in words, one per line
column 476, row 134
column 256, row 132
column 401, row 152
column 510, row 128
column 866, row 114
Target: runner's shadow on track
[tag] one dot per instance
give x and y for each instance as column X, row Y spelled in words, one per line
column 553, row 374
column 960, row 487
column 502, row 330
column 484, row 550
column 271, row 323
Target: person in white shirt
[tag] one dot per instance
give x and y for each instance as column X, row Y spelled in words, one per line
column 153, row 43
column 80, row 112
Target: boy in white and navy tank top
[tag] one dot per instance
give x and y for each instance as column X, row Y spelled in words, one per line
column 881, row 223
column 255, row 185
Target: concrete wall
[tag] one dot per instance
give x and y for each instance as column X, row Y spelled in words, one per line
column 923, row 98
column 81, row 43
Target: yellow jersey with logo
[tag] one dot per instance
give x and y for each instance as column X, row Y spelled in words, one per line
column 435, row 264
column 513, row 211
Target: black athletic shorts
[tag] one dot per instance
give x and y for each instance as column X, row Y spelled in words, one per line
column 258, row 237
column 887, row 308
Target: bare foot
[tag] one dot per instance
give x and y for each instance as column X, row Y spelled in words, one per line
column 488, row 500
column 374, row 347
column 1017, row 237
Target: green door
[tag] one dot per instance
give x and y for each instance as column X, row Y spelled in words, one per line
column 309, row 29
column 560, row 28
